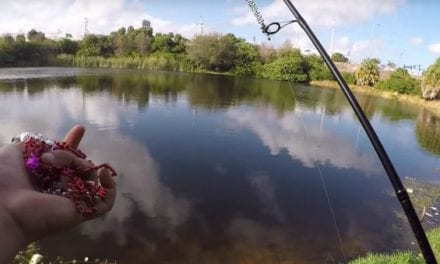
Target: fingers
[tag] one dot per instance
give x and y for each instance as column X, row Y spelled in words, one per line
column 74, row 136
column 107, row 182
column 62, row 158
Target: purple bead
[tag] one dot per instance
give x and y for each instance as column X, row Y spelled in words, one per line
column 32, row 162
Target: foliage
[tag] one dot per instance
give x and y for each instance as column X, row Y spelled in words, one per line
column 368, row 73
column 403, row 257
column 400, row 81
column 339, row 57
column 212, row 52
column 317, row 70
column 266, row 53
column 391, row 65
column 156, row 61
column 394, row 258
column 67, row 46
column 349, row 77
column 290, row 65
column 245, row 58
column 37, row 51
column 431, row 81
column 169, row 43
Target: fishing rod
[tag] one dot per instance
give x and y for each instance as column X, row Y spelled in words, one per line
column 394, row 178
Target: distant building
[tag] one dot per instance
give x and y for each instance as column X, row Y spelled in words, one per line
column 146, row 23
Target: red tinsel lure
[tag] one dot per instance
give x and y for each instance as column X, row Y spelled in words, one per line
column 69, row 182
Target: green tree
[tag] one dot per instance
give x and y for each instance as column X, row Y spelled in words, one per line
column 431, row 81
column 400, row 81
column 37, row 36
column 7, row 53
column 89, row 46
column 391, row 65
column 368, row 73
column 316, row 68
column 212, row 52
column 67, row 46
column 289, row 66
column 245, row 58
column 339, row 57
column 266, row 53
column 170, row 43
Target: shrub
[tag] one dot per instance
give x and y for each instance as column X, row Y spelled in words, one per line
column 349, row 77
column 400, row 81
column 289, row 66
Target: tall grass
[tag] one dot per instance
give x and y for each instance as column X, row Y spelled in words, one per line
column 157, row 61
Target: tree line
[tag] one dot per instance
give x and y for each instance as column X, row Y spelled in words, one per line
column 140, row 48
column 400, row 80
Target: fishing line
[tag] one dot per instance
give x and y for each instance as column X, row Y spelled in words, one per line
column 396, row 182
column 323, row 182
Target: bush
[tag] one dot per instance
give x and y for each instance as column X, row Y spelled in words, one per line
column 339, row 57
column 245, row 58
column 349, row 77
column 317, row 70
column 368, row 73
column 400, row 81
column 289, row 66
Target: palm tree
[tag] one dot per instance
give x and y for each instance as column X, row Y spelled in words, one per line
column 431, row 81
column 368, row 73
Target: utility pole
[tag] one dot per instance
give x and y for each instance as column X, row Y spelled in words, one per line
column 400, row 58
column 201, row 25
column 372, row 50
column 332, row 38
column 86, row 26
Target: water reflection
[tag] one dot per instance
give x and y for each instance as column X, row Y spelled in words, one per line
column 428, row 132
column 139, row 187
column 218, row 169
column 289, row 133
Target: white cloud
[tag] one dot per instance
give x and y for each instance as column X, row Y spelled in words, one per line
column 416, row 41
column 324, row 13
column 435, row 48
column 60, row 17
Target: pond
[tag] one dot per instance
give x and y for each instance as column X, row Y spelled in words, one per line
column 222, row 169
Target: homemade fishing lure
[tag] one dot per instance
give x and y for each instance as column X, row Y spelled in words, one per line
column 69, row 182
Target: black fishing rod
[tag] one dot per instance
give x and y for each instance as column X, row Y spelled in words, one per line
column 394, row 178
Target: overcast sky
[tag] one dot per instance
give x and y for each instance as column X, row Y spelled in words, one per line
column 402, row 31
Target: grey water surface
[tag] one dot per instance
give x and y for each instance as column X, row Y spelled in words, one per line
column 221, row 169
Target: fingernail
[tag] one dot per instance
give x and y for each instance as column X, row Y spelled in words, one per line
column 48, row 157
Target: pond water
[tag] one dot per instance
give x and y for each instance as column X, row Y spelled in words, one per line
column 221, row 169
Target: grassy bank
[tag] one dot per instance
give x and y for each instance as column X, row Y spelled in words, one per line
column 403, row 257
column 433, row 106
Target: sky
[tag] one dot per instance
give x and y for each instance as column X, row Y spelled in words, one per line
column 400, row 31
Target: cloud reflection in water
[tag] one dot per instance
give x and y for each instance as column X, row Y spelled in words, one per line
column 316, row 145
column 139, row 185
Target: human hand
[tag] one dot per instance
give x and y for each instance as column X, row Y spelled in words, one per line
column 26, row 214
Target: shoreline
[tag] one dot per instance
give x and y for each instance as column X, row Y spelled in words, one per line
column 433, row 106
